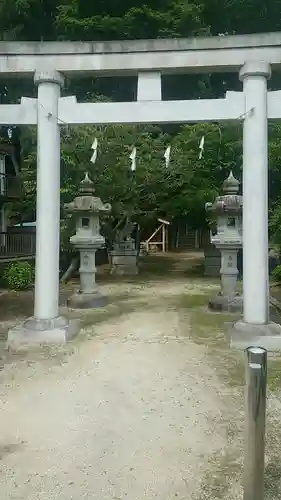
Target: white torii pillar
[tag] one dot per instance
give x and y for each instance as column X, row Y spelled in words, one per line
column 255, row 328
column 48, row 196
column 255, row 193
column 46, row 326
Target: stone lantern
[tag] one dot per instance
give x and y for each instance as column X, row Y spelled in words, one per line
column 87, row 209
column 228, row 239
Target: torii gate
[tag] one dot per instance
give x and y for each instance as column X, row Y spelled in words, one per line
column 250, row 55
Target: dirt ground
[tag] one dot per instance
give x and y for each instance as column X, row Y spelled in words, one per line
column 147, row 402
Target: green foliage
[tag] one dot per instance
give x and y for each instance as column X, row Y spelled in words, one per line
column 274, row 183
column 128, row 19
column 78, row 19
column 19, row 275
column 247, row 16
column 275, row 222
column 27, row 19
column 183, row 189
column 276, row 274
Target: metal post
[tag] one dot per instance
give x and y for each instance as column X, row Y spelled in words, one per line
column 255, row 408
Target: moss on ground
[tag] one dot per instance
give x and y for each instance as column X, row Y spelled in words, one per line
column 274, row 374
column 114, row 310
column 209, row 329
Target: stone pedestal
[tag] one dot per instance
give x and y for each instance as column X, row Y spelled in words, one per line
column 268, row 335
column 228, row 299
column 39, row 331
column 212, row 262
column 244, row 335
column 82, row 300
column 124, row 264
column 222, row 303
column 124, row 259
column 88, row 297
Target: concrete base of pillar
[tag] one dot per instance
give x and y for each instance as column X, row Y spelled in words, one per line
column 35, row 331
column 221, row 303
column 243, row 335
column 86, row 301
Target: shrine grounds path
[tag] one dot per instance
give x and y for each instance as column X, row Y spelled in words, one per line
column 146, row 403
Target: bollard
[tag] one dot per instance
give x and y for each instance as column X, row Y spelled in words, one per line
column 255, row 408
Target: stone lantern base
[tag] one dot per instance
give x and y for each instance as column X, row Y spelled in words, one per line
column 235, row 305
column 220, row 303
column 81, row 300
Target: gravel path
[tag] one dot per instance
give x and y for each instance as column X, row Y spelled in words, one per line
column 134, row 414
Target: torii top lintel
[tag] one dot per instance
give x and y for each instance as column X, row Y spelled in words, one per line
column 200, row 55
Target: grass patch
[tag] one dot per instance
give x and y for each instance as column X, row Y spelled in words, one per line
column 155, row 265
column 196, row 270
column 274, row 374
column 95, row 316
column 208, row 328
column 187, row 301
column 203, row 318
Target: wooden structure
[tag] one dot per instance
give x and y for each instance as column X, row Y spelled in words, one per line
column 17, row 245
column 161, row 242
column 15, row 242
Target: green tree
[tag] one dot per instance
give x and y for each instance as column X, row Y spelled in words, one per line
column 28, row 19
column 153, row 190
column 81, row 19
column 241, row 17
column 184, row 188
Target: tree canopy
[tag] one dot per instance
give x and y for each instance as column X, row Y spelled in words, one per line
column 183, row 188
column 128, row 19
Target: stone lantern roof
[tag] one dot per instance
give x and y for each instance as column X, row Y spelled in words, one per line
column 231, row 185
column 86, row 186
column 85, row 201
column 231, row 201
